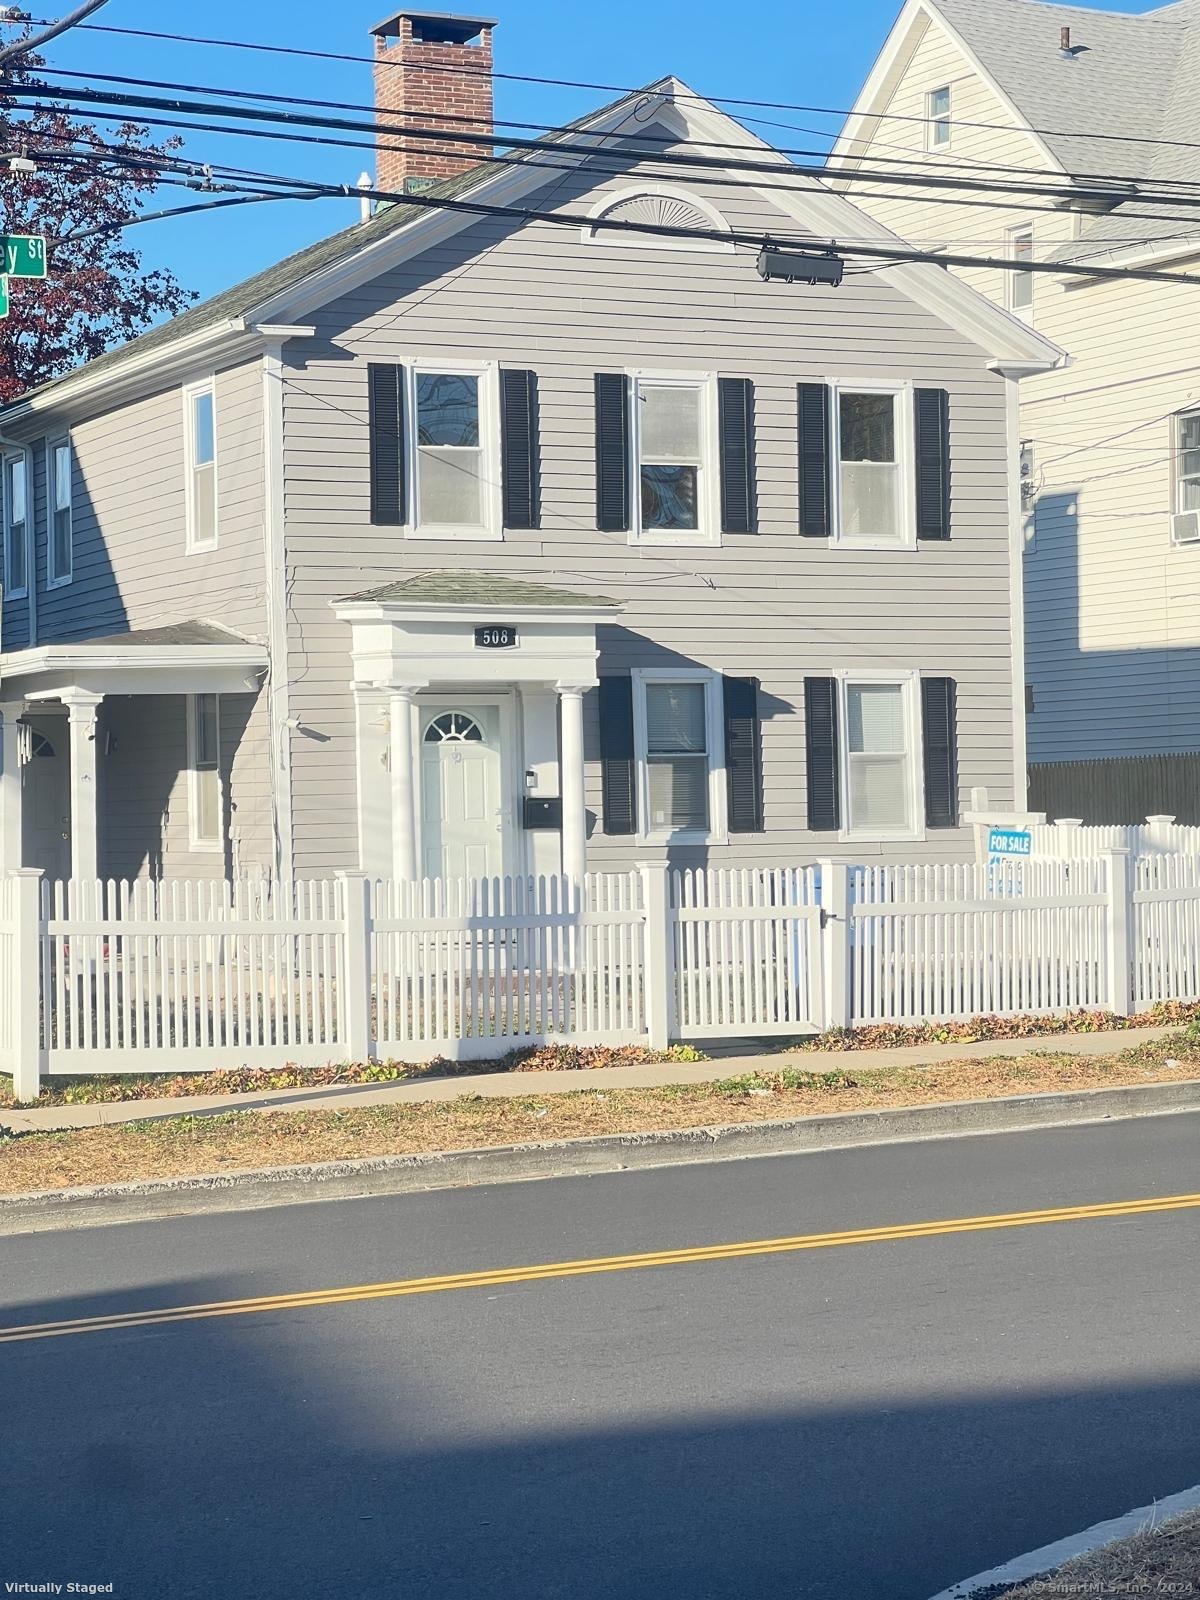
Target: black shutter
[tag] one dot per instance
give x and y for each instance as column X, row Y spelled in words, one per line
column 386, row 411
column 814, row 460
column 735, row 413
column 932, row 418
column 743, row 754
column 519, row 448
column 612, row 452
column 618, row 768
column 940, row 738
column 821, row 746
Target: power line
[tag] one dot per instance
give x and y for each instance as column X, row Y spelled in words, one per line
column 624, row 89
column 51, row 30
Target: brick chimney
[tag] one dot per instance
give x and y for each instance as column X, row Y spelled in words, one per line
column 431, row 68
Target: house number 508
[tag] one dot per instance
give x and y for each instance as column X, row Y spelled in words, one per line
column 496, row 637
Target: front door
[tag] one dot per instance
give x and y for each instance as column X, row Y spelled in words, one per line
column 462, row 791
column 45, row 800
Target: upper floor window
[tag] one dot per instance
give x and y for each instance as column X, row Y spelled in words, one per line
column 61, row 555
column 204, row 767
column 870, row 437
column 673, row 455
column 937, row 117
column 677, row 734
column 16, row 526
column 1185, row 523
column 1020, row 284
column 200, row 418
column 450, row 456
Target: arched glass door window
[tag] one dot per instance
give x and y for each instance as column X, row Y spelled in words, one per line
column 453, row 727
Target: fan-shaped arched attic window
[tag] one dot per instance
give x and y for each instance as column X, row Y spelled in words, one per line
column 657, row 205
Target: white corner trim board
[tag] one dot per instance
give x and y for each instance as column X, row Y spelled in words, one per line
column 1036, row 1563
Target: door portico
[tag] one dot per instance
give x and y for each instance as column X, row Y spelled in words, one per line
column 508, row 664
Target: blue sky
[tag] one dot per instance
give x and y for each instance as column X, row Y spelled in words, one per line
column 816, row 55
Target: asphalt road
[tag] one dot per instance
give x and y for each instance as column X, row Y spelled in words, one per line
column 869, row 1422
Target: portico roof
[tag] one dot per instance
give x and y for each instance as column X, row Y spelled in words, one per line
column 477, row 589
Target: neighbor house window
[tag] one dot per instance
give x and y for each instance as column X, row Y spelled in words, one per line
column 937, row 117
column 1187, row 461
column 870, row 438
column 16, row 526
column 61, row 553
column 1020, row 284
column 200, row 412
column 676, row 729
column 454, row 469
column 204, row 764
column 881, row 761
column 672, row 421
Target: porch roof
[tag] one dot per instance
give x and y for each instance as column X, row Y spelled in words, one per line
column 477, row 589
column 181, row 658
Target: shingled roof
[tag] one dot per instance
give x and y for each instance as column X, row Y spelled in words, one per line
column 1135, row 81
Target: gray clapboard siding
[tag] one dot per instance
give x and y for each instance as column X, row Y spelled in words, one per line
column 772, row 605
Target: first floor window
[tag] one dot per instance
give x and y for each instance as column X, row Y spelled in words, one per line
column 204, row 761
column 450, row 456
column 1020, row 284
column 61, row 549
column 671, row 432
column 937, row 114
column 868, row 466
column 202, row 467
column 676, row 756
column 16, row 525
column 879, row 758
column 1187, row 461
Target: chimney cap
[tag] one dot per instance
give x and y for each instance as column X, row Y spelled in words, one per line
column 451, row 25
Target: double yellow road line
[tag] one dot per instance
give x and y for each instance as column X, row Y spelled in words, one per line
column 596, row 1264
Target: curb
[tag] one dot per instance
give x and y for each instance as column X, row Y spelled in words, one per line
column 410, row 1174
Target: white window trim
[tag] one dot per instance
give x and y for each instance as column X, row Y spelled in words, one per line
column 488, row 373
column 909, row 683
column 198, row 845
column 1175, row 452
column 21, row 593
column 932, row 121
column 717, row 831
column 196, row 546
column 905, row 461
column 1011, row 235
column 59, row 580
column 708, row 500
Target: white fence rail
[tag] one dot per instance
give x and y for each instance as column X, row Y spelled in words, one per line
column 144, row 977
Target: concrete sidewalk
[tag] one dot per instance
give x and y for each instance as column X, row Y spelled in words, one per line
column 342, row 1096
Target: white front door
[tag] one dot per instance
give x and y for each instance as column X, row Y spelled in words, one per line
column 462, row 790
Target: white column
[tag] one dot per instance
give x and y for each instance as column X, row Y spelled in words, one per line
column 574, row 828
column 401, row 703
column 10, row 787
column 374, row 785
column 82, row 708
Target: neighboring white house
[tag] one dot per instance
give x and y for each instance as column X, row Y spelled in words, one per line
column 1110, row 440
column 475, row 543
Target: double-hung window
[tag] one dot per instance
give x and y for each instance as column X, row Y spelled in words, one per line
column 871, row 434
column 1187, row 471
column 881, row 757
column 1020, row 283
column 16, row 526
column 200, row 426
column 673, row 422
column 937, row 117
column 61, row 544
column 204, row 775
column 455, row 476
column 677, row 734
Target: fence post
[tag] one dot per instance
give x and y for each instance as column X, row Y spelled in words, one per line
column 358, row 1040
column 27, row 985
column 834, row 944
column 658, row 980
column 1118, row 922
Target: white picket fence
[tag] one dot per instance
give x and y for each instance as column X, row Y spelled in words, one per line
column 163, row 977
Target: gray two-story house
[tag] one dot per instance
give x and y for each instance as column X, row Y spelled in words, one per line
column 524, row 527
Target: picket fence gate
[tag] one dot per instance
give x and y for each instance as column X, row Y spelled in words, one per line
column 175, row 976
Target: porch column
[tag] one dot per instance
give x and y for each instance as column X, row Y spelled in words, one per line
column 10, row 786
column 574, row 824
column 401, row 703
column 82, row 707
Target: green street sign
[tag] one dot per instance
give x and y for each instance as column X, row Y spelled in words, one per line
column 24, row 254
column 3, row 297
